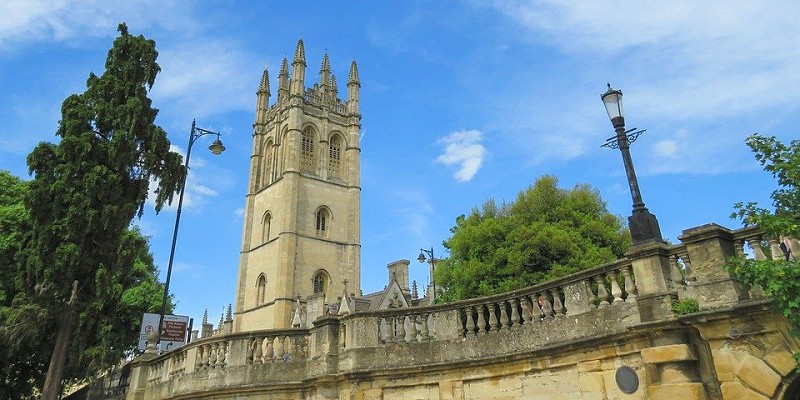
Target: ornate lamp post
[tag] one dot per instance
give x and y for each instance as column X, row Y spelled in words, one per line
column 421, row 259
column 643, row 225
column 216, row 148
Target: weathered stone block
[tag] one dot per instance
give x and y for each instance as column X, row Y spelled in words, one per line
column 589, row 366
column 693, row 391
column 781, row 361
column 591, row 382
column 669, row 353
column 736, row 391
column 757, row 375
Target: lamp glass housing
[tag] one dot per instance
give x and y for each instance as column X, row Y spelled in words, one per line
column 216, row 148
column 421, row 257
column 612, row 99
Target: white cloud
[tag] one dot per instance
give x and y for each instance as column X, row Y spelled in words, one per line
column 666, row 148
column 27, row 21
column 463, row 149
column 695, row 66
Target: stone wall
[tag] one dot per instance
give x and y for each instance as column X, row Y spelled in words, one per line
column 567, row 339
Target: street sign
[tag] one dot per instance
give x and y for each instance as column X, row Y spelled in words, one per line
column 173, row 330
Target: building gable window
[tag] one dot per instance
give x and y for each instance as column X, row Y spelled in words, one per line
column 266, row 177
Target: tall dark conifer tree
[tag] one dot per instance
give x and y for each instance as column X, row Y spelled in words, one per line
column 86, row 190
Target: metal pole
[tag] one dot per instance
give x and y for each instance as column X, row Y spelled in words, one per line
column 633, row 183
column 175, row 235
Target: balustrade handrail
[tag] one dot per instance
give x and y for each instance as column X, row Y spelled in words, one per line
column 538, row 288
column 229, row 337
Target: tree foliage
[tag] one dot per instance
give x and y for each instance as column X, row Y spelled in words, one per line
column 78, row 258
column 778, row 278
column 23, row 363
column 547, row 232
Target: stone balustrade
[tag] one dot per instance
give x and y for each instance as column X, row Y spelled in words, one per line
column 613, row 303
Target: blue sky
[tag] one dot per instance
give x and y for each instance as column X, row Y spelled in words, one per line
column 461, row 101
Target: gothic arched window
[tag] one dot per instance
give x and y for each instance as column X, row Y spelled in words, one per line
column 320, row 282
column 322, row 221
column 307, row 151
column 261, row 289
column 265, row 227
column 335, row 157
column 266, row 168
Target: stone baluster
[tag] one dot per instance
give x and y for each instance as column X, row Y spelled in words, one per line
column 630, row 288
column 287, row 347
column 400, row 331
column 546, row 307
column 410, row 326
column 758, row 253
column 688, row 272
column 493, row 323
column 470, row 320
column 248, row 356
column 269, row 353
column 212, row 354
column 527, row 315
column 258, row 351
column 775, row 249
column 198, row 360
column 738, row 245
column 505, row 322
column 206, row 355
column 279, row 349
column 424, row 331
column 558, row 306
column 222, row 353
column 616, row 291
column 515, row 322
column 481, row 319
column 383, row 330
column 602, row 293
column 674, row 272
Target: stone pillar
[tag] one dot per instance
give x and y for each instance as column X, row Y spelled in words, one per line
column 651, row 267
column 709, row 247
column 398, row 270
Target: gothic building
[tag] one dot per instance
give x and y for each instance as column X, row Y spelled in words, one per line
column 302, row 216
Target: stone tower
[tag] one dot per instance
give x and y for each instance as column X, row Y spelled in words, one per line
column 302, row 215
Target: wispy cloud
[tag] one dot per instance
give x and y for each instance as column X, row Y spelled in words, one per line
column 23, row 22
column 690, row 63
column 464, row 150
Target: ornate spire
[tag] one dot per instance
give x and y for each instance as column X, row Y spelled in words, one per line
column 205, row 317
column 284, row 68
column 299, row 54
column 229, row 313
column 326, row 64
column 298, row 70
column 334, row 86
column 353, row 78
column 264, row 86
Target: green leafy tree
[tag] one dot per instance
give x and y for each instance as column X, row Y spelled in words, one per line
column 78, row 258
column 23, row 363
column 547, row 232
column 778, row 278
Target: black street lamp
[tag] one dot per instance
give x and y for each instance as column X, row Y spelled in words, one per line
column 216, row 148
column 643, row 225
column 421, row 259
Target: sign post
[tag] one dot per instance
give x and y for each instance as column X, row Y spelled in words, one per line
column 173, row 330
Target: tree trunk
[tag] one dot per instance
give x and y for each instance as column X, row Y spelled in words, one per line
column 55, row 372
